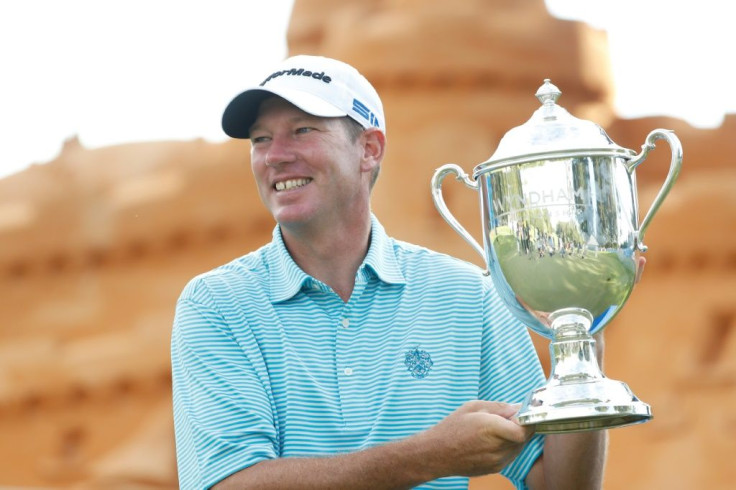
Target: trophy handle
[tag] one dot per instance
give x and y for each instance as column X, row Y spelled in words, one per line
column 674, row 171
column 439, row 201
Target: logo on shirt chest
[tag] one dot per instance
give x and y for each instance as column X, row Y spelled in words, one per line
column 418, row 362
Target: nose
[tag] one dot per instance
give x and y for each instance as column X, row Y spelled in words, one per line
column 279, row 152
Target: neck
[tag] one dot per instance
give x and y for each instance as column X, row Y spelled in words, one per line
column 332, row 256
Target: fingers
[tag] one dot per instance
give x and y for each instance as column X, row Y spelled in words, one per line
column 480, row 437
column 640, row 268
column 505, row 410
column 510, row 430
column 503, row 423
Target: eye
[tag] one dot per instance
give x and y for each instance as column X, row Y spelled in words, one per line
column 258, row 139
column 304, row 129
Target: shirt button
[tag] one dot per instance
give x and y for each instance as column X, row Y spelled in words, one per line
column 345, row 323
column 348, row 371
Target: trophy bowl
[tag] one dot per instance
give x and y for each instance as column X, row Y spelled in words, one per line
column 561, row 233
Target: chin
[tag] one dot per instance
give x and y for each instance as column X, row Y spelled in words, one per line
column 292, row 217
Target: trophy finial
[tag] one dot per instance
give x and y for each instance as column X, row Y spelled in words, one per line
column 548, row 93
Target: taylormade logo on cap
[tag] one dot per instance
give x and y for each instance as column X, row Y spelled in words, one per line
column 297, row 72
column 317, row 85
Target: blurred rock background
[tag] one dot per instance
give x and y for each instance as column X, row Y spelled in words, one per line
column 96, row 245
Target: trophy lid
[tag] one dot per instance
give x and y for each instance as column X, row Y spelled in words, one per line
column 552, row 132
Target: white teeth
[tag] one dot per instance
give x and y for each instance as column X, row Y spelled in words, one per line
column 291, row 184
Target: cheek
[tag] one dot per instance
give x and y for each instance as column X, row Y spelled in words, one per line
column 257, row 165
column 258, row 169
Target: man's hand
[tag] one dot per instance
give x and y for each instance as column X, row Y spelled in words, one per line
column 478, row 438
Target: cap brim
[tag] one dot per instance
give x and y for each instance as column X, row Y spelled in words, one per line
column 241, row 112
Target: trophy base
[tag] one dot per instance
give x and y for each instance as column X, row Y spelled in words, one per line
column 579, row 407
column 577, row 396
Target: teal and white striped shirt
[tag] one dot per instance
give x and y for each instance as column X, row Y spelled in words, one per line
column 269, row 362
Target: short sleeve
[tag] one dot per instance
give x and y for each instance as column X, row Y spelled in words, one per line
column 510, row 370
column 223, row 414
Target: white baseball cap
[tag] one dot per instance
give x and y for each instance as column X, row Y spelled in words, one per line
column 320, row 86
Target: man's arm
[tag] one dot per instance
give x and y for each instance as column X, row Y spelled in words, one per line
column 477, row 439
column 572, row 461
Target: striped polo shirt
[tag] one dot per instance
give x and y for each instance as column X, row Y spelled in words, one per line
column 269, row 362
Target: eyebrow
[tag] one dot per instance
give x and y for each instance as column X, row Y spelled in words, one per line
column 292, row 120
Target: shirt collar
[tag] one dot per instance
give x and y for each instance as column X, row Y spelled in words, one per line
column 381, row 257
column 286, row 278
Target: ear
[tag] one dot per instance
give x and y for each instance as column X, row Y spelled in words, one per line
column 374, row 148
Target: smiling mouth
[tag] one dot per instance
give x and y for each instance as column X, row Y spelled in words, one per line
column 291, row 184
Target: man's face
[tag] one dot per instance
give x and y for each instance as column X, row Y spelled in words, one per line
column 307, row 169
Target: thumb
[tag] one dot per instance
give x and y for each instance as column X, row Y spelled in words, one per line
column 502, row 409
column 512, row 410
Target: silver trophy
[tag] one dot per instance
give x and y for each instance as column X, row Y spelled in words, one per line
column 559, row 215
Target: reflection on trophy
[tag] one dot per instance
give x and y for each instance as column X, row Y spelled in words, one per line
column 560, row 225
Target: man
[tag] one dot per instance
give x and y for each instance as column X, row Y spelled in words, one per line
column 336, row 356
